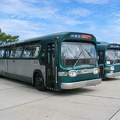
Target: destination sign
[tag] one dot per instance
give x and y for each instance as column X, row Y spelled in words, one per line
column 114, row 46
column 83, row 36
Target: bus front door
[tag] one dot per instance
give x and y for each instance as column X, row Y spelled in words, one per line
column 50, row 65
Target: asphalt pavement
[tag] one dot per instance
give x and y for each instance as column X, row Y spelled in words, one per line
column 22, row 101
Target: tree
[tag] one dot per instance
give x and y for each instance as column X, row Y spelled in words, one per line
column 6, row 39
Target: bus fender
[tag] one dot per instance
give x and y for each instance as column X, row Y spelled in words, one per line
column 35, row 73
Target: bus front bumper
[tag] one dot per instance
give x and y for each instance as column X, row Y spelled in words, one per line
column 80, row 84
column 112, row 75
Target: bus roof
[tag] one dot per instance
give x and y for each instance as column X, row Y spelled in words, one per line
column 53, row 37
column 106, row 45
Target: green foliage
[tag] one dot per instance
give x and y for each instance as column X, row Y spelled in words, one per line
column 6, row 39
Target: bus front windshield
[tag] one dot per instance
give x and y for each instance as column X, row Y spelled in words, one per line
column 112, row 56
column 76, row 53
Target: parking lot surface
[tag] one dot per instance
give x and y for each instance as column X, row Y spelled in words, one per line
column 21, row 101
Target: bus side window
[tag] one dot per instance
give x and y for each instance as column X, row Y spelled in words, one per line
column 31, row 51
column 34, row 51
column 26, row 52
column 37, row 51
column 12, row 52
column 7, row 54
column 2, row 51
column 18, row 52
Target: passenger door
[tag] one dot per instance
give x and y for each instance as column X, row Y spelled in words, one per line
column 101, row 61
column 50, row 65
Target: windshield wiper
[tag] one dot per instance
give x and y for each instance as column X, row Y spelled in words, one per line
column 118, row 56
column 88, row 53
column 78, row 58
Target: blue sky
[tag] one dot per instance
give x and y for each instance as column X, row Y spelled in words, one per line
column 32, row 18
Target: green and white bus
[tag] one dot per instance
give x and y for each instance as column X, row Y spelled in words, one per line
column 109, row 59
column 58, row 61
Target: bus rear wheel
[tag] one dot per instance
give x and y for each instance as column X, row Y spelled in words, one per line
column 39, row 82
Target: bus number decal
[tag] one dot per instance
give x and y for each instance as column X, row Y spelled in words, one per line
column 35, row 62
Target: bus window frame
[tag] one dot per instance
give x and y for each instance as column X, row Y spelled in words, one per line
column 7, row 53
column 15, row 48
column 2, row 55
column 37, row 45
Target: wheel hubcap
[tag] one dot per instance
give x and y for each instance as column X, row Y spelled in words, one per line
column 39, row 81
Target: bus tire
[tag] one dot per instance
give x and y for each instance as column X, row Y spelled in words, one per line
column 39, row 82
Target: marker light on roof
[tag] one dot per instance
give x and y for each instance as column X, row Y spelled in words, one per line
column 57, row 37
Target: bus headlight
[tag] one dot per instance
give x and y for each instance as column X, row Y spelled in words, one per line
column 112, row 68
column 73, row 73
column 95, row 70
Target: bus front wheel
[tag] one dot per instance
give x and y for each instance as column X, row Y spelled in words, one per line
column 39, row 82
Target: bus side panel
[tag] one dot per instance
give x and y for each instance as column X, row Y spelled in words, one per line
column 23, row 69
column 3, row 67
column 11, row 66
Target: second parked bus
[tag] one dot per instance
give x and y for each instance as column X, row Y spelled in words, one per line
column 109, row 59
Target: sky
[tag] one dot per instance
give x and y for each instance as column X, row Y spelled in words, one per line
column 33, row 18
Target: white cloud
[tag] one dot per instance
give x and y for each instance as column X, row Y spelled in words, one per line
column 110, row 34
column 27, row 20
column 94, row 1
column 65, row 1
column 80, row 12
column 21, row 8
column 73, row 22
column 29, row 29
column 20, row 17
column 25, row 29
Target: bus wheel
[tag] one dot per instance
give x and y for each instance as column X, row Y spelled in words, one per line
column 39, row 82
